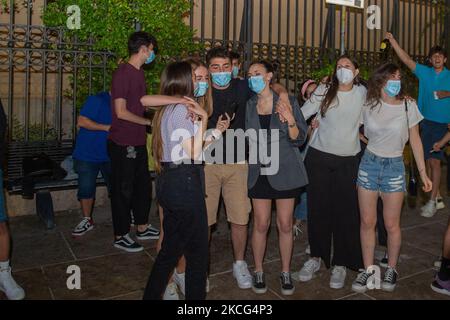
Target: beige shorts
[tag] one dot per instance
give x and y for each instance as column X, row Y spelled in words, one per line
column 230, row 180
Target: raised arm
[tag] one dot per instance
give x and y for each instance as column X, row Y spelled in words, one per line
column 403, row 56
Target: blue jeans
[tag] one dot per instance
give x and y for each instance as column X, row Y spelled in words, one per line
column 3, row 216
column 301, row 210
column 87, row 177
column 386, row 175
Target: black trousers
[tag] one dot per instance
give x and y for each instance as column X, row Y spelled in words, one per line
column 333, row 215
column 180, row 194
column 130, row 187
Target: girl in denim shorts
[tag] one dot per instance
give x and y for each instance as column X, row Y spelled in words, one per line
column 389, row 121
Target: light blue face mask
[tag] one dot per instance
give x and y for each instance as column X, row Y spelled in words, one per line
column 151, row 58
column 393, row 88
column 256, row 84
column 235, row 72
column 200, row 89
column 221, row 79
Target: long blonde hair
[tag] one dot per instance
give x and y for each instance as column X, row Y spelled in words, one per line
column 206, row 102
column 176, row 81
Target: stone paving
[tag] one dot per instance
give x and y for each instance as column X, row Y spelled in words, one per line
column 40, row 259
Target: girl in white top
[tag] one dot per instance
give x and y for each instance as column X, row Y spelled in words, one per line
column 389, row 121
column 332, row 165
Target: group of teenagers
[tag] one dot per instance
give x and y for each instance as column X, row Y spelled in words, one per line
column 338, row 167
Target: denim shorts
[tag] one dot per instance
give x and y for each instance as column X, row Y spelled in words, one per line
column 385, row 175
column 87, row 177
column 3, row 216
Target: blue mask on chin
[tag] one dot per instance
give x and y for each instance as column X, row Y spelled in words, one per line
column 200, row 89
column 151, row 58
column 256, row 84
column 221, row 79
column 392, row 88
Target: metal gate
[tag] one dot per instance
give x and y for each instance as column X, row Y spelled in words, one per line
column 302, row 34
column 39, row 72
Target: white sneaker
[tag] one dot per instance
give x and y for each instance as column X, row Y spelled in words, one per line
column 242, row 275
column 84, row 226
column 171, row 292
column 179, row 280
column 308, row 249
column 11, row 289
column 440, row 204
column 437, row 264
column 309, row 268
column 338, row 275
column 429, row 210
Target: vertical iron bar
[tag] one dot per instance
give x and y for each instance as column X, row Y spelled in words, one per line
column 213, row 22
column 191, row 16
column 202, row 22
column 288, row 50
column 226, row 21
column 270, row 29
column 296, row 66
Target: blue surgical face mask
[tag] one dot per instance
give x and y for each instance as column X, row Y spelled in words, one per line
column 393, row 88
column 200, row 89
column 221, row 79
column 150, row 58
column 256, row 84
column 235, row 72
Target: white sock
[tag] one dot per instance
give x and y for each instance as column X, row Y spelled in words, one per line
column 4, row 265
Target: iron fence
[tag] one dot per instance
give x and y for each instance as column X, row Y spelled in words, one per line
column 303, row 34
column 40, row 67
column 39, row 72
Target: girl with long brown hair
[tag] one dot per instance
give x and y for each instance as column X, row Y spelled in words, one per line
column 177, row 143
column 203, row 96
column 332, row 166
column 390, row 120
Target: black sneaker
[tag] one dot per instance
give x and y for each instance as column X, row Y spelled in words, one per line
column 127, row 244
column 384, row 261
column 150, row 233
column 390, row 280
column 259, row 283
column 360, row 283
column 287, row 286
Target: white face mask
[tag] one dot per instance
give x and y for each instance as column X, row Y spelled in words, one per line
column 345, row 76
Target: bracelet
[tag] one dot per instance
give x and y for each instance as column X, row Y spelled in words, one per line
column 216, row 134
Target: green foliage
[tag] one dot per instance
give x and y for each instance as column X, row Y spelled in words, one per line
column 328, row 69
column 409, row 79
column 110, row 22
column 34, row 131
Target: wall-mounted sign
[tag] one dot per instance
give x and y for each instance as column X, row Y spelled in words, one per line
column 349, row 3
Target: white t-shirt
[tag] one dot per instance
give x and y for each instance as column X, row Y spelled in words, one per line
column 338, row 131
column 386, row 127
